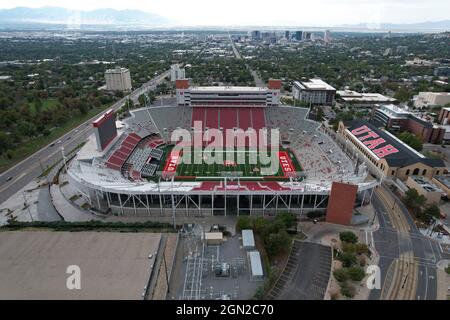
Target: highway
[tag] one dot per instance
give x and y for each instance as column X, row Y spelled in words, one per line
column 30, row 168
column 407, row 258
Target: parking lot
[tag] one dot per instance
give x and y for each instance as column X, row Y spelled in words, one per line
column 306, row 274
column 33, row 265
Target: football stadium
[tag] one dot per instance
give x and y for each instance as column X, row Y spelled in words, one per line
column 216, row 151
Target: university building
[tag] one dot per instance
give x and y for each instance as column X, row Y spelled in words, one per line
column 387, row 153
column 314, row 92
column 397, row 119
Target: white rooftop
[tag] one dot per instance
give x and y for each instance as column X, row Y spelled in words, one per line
column 314, row 84
column 349, row 95
column 255, row 263
column 116, row 70
column 394, row 111
column 248, row 241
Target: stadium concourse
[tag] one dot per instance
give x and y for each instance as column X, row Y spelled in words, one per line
column 138, row 174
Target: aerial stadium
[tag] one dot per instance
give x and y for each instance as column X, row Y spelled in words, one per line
column 135, row 167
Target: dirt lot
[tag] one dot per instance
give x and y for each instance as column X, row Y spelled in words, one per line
column 33, row 265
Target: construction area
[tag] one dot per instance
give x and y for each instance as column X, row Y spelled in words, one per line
column 212, row 264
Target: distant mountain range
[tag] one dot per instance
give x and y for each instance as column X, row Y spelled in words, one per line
column 55, row 15
column 428, row 25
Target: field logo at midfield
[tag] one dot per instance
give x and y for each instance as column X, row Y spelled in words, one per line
column 213, row 147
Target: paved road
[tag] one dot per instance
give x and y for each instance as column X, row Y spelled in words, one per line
column 256, row 78
column 390, row 243
column 31, row 167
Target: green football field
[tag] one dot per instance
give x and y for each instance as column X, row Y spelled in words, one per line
column 246, row 168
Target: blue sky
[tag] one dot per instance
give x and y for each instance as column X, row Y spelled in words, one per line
column 267, row 12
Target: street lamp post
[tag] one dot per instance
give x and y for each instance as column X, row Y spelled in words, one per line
column 64, row 157
column 26, row 205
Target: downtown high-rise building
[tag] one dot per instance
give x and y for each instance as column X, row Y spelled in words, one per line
column 327, row 36
column 298, row 35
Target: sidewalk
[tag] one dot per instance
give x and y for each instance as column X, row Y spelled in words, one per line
column 13, row 207
column 68, row 211
column 443, row 281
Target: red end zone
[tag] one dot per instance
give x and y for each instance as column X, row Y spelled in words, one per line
column 172, row 162
column 286, row 163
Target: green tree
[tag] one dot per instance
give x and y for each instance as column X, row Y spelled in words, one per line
column 448, row 269
column 277, row 242
column 348, row 236
column 356, row 273
column 37, row 104
column 83, row 108
column 348, row 259
column 130, row 104
column 361, row 248
column 244, row 222
column 46, row 132
column 26, row 128
column 288, row 219
column 403, row 94
column 347, row 290
column 259, row 225
column 414, row 201
column 340, row 274
column 348, row 247
column 431, row 210
column 5, row 142
column 151, row 97
column 142, row 99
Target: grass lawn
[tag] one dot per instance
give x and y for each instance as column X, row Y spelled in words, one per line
column 29, row 147
column 47, row 104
